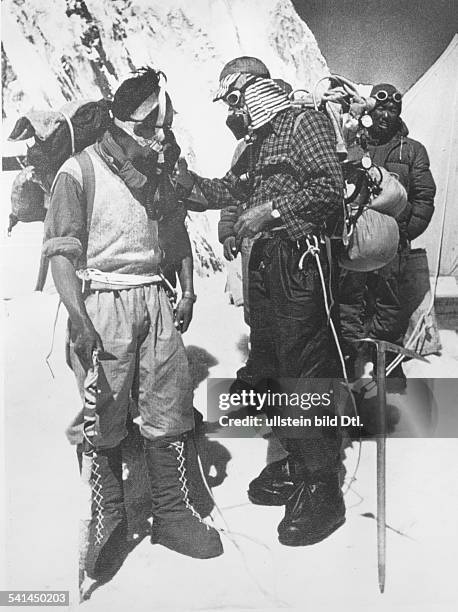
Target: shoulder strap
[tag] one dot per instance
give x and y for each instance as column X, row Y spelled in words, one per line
column 88, row 174
column 297, row 120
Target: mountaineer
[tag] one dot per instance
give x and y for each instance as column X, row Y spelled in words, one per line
column 289, row 183
column 376, row 300
column 114, row 221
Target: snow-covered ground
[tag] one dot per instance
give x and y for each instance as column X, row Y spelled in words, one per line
column 42, row 483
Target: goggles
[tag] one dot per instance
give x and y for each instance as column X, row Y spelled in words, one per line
column 233, row 98
column 152, row 125
column 383, row 96
column 151, row 122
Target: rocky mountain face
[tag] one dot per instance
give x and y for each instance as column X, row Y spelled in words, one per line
column 60, row 50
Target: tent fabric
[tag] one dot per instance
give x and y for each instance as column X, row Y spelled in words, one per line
column 430, row 110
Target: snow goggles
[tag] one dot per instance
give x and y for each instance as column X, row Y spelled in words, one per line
column 233, row 98
column 383, row 96
column 151, row 122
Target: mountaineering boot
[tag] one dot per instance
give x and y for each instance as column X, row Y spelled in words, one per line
column 195, row 447
column 108, row 524
column 314, row 511
column 176, row 523
column 274, row 485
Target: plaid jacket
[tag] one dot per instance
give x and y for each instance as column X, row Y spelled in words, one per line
column 293, row 166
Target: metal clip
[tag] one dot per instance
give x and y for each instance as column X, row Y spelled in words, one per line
column 312, row 249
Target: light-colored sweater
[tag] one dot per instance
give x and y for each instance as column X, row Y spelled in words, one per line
column 119, row 236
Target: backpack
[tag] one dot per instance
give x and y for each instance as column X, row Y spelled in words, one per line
column 374, row 198
column 57, row 135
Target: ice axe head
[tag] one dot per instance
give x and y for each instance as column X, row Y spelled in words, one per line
column 383, row 347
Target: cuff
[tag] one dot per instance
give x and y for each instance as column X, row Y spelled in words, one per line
column 68, row 246
column 280, row 203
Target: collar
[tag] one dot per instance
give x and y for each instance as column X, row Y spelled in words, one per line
column 274, row 126
column 278, row 121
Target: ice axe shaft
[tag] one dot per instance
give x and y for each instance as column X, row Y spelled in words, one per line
column 381, row 467
column 382, row 347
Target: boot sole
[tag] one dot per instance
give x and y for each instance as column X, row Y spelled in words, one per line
column 309, row 540
column 258, row 500
column 209, row 555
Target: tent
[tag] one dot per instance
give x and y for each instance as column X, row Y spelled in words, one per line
column 430, row 110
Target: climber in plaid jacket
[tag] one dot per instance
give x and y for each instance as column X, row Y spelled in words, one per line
column 288, row 186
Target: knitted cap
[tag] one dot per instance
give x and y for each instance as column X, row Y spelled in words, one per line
column 245, row 64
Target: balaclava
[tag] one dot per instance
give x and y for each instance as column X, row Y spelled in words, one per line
column 260, row 98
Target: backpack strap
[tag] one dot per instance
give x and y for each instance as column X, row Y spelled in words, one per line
column 87, row 171
column 88, row 175
column 297, row 120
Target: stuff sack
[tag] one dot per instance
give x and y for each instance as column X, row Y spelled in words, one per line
column 372, row 243
column 27, row 199
column 392, row 197
column 57, row 135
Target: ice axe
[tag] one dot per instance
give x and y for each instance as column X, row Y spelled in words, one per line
column 382, row 348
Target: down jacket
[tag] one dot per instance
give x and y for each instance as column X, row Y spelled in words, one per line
column 408, row 159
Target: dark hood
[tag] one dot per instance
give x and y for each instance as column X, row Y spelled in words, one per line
column 403, row 130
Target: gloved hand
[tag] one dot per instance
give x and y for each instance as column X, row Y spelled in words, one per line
column 171, row 151
column 253, row 221
column 183, row 177
column 230, row 248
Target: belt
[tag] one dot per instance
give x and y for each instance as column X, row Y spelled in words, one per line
column 300, row 243
column 115, row 280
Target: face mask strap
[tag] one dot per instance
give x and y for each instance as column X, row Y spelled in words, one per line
column 162, row 103
column 129, row 126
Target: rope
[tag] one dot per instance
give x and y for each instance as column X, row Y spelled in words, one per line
column 53, row 337
column 72, row 131
column 314, row 250
column 230, row 536
column 116, row 278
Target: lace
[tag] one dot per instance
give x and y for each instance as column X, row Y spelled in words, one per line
column 98, row 500
column 179, row 449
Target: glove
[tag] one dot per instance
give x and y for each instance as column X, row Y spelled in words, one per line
column 171, row 152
